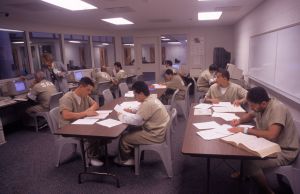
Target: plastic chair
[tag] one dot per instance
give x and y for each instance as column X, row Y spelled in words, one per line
column 197, row 94
column 172, row 105
column 60, row 141
column 291, row 172
column 163, row 149
column 184, row 105
column 108, row 97
column 100, row 87
column 123, row 87
column 54, row 102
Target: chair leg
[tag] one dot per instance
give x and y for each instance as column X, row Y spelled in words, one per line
column 60, row 147
column 167, row 161
column 137, row 160
column 36, row 124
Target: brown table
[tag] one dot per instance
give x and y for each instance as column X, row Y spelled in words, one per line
column 194, row 145
column 95, row 131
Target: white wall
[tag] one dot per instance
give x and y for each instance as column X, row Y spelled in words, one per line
column 176, row 51
column 269, row 16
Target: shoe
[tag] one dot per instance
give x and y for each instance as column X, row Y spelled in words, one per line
column 129, row 162
column 96, row 162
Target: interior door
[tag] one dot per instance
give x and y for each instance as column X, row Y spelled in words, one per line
column 148, row 59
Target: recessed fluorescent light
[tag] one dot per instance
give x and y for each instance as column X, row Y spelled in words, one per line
column 162, row 37
column 165, row 39
column 74, row 41
column 73, row 5
column 117, row 21
column 128, row 44
column 10, row 30
column 174, row 42
column 18, row 42
column 105, row 44
column 209, row 15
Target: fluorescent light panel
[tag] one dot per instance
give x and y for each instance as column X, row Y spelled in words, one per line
column 18, row 42
column 73, row 5
column 128, row 44
column 209, row 15
column 10, row 30
column 74, row 41
column 165, row 39
column 176, row 43
column 117, row 21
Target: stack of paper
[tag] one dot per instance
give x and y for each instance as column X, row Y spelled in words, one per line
column 85, row 121
column 102, row 114
column 109, row 123
column 218, row 132
column 130, row 105
column 202, row 111
column 129, row 94
column 206, row 125
column 225, row 116
column 227, row 107
column 203, row 106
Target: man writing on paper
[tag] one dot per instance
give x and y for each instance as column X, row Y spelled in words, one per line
column 273, row 122
column 78, row 104
column 206, row 78
column 173, row 82
column 225, row 91
column 150, row 119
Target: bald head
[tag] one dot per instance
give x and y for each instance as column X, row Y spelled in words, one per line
column 39, row 76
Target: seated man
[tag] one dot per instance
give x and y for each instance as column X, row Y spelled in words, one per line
column 206, row 78
column 78, row 104
column 102, row 76
column 273, row 122
column 151, row 118
column 41, row 92
column 225, row 91
column 173, row 82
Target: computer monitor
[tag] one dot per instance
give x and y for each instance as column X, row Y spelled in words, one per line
column 15, row 88
column 78, row 75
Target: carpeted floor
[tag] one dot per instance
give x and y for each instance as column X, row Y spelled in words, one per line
column 27, row 165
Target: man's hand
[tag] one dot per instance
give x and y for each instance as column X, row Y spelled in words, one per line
column 130, row 110
column 90, row 113
column 236, row 129
column 235, row 122
column 214, row 101
column 237, row 102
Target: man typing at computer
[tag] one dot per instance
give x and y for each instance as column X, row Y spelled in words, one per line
column 40, row 93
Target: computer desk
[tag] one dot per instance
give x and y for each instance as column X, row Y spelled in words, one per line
column 95, row 131
column 194, row 145
column 9, row 108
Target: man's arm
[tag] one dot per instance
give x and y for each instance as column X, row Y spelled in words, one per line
column 131, row 119
column 94, row 106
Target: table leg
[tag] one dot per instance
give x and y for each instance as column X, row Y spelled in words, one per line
column 95, row 173
column 208, row 175
column 241, row 177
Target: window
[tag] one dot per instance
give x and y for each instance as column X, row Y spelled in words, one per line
column 13, row 54
column 77, row 52
column 104, row 50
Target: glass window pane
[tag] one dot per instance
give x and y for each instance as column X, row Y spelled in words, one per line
column 104, row 50
column 77, row 52
column 128, row 49
column 13, row 54
column 148, row 53
column 42, row 42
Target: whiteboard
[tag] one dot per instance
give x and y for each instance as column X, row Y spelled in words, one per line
column 274, row 60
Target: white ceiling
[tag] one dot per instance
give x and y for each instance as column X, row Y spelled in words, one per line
column 146, row 14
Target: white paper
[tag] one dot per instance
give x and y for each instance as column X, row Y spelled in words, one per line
column 223, row 104
column 118, row 108
column 202, row 111
column 219, row 132
column 129, row 94
column 102, row 114
column 225, row 116
column 231, row 108
column 131, row 105
column 203, row 106
column 85, row 121
column 109, row 123
column 206, row 125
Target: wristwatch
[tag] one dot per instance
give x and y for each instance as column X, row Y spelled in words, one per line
column 246, row 130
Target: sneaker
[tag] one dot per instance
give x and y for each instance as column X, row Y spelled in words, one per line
column 129, row 162
column 96, row 162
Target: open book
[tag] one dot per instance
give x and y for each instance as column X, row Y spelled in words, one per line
column 258, row 146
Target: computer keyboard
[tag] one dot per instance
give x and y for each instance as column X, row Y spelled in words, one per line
column 21, row 97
